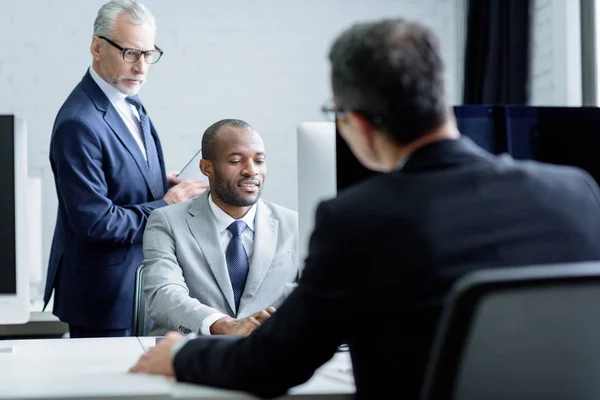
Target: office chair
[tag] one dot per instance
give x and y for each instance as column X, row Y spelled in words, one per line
column 139, row 303
column 519, row 333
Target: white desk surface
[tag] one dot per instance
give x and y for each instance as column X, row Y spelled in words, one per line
column 97, row 368
column 332, row 380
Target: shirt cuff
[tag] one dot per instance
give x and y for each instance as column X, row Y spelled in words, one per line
column 208, row 321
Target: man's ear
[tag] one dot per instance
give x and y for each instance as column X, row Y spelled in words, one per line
column 95, row 48
column 207, row 168
column 364, row 127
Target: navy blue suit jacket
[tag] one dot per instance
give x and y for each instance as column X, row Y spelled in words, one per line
column 104, row 200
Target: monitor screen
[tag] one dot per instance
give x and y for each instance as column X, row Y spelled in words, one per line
column 569, row 136
column 8, row 276
column 521, row 126
column 556, row 135
column 14, row 264
column 484, row 125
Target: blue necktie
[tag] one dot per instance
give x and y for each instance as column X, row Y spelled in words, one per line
column 156, row 180
column 237, row 260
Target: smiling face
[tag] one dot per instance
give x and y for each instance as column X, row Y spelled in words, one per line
column 239, row 170
column 126, row 77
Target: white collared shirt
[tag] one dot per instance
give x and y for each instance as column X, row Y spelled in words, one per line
column 223, row 220
column 128, row 113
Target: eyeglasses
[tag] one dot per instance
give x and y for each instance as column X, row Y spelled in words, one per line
column 333, row 112
column 132, row 55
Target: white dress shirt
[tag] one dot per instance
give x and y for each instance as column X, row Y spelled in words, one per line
column 223, row 220
column 128, row 113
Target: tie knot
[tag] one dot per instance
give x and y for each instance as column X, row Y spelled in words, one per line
column 237, row 227
column 134, row 101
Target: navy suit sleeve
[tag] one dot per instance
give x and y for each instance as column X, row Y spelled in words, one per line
column 81, row 184
column 287, row 348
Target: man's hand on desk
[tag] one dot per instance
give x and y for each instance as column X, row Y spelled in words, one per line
column 244, row 326
column 185, row 190
column 158, row 359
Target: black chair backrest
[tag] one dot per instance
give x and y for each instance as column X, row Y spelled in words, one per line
column 519, row 333
column 139, row 303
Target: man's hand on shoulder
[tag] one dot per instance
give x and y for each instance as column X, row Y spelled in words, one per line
column 173, row 179
column 159, row 359
column 243, row 326
column 185, row 190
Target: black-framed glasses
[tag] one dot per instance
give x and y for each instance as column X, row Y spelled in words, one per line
column 333, row 112
column 132, row 55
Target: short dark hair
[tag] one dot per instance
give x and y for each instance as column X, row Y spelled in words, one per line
column 208, row 139
column 391, row 72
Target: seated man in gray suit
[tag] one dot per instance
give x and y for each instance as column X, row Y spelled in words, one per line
column 216, row 264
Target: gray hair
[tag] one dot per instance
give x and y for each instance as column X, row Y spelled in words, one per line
column 391, row 72
column 109, row 12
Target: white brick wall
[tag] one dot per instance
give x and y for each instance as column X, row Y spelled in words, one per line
column 555, row 53
column 263, row 61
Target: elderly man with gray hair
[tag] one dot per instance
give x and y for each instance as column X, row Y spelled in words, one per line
column 110, row 175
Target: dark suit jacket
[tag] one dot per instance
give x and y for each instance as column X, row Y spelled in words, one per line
column 104, row 200
column 382, row 257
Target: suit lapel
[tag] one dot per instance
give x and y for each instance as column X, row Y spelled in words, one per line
column 265, row 243
column 114, row 120
column 201, row 222
column 116, row 124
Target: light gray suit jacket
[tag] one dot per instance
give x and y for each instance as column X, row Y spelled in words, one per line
column 185, row 272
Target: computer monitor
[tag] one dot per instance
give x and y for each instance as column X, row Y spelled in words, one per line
column 556, row 135
column 484, row 125
column 316, row 175
column 521, row 130
column 14, row 283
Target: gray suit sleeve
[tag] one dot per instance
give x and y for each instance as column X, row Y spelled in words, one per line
column 168, row 298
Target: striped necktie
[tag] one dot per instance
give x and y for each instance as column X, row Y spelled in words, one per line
column 156, row 179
